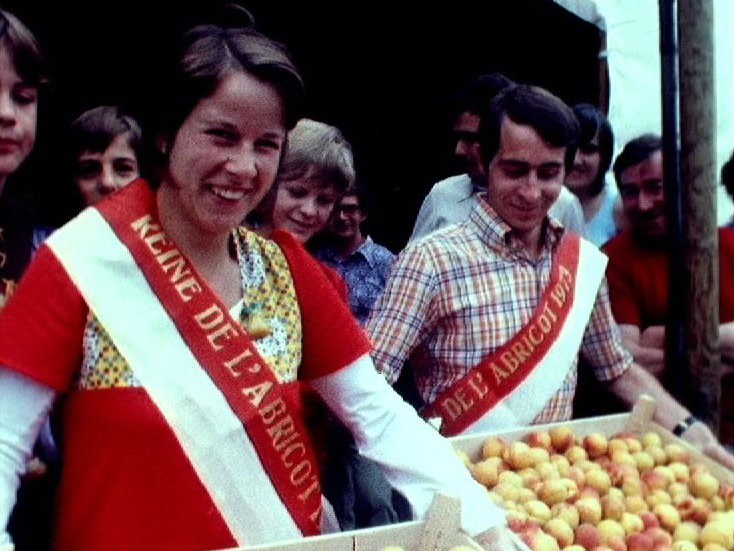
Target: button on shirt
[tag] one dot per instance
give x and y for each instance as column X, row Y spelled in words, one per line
column 458, row 294
column 365, row 272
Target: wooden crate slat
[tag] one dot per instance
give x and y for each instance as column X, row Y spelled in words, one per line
column 439, row 532
column 608, row 425
column 642, row 414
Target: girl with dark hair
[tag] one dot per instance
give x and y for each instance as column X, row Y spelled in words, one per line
column 587, row 178
column 22, row 76
column 182, row 422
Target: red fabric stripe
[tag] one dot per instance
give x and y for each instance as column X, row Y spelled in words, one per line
column 324, row 313
column 43, row 338
column 132, row 491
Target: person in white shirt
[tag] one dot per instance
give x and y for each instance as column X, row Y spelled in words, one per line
column 451, row 200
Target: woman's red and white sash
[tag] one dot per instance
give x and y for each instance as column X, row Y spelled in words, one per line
column 511, row 386
column 233, row 419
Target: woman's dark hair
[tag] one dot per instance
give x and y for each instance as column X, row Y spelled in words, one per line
column 95, row 129
column 362, row 190
column 533, row 106
column 592, row 122
column 23, row 49
column 207, row 54
column 727, row 176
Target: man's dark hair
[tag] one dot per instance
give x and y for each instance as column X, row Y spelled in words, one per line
column 593, row 122
column 476, row 95
column 636, row 151
column 533, row 106
column 362, row 191
column 95, row 129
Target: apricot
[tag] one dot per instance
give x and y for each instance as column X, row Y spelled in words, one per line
column 703, row 485
column 639, row 542
column 719, row 533
column 562, row 438
column 539, row 439
column 588, row 536
column 595, row 444
column 493, row 446
column 561, row 530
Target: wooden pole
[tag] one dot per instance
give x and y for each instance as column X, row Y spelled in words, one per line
column 698, row 174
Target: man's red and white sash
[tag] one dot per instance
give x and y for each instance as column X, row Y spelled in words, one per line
column 224, row 404
column 512, row 386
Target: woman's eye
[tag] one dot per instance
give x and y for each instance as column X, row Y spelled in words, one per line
column 25, row 95
column 297, row 192
column 268, row 144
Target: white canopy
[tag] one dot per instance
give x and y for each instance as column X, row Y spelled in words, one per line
column 633, row 55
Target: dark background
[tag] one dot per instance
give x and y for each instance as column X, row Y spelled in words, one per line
column 382, row 72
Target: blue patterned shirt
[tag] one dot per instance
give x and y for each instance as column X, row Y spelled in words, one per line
column 365, row 273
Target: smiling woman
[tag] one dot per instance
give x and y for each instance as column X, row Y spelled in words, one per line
column 222, row 161
column 587, row 178
column 317, row 168
column 142, row 312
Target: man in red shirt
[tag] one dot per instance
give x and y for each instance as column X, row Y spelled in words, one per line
column 638, row 265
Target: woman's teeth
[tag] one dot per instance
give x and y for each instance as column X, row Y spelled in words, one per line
column 230, row 194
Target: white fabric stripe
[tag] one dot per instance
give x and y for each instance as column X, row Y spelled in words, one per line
column 416, row 460
column 213, row 438
column 525, row 402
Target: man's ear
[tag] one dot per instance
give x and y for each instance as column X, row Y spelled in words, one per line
column 477, row 152
column 621, row 220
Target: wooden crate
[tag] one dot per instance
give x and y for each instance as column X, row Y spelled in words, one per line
column 640, row 421
column 439, row 532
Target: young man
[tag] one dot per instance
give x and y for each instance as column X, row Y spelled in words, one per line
column 450, row 201
column 494, row 311
column 638, row 270
column 362, row 263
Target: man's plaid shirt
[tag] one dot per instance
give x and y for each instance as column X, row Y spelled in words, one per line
column 456, row 295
